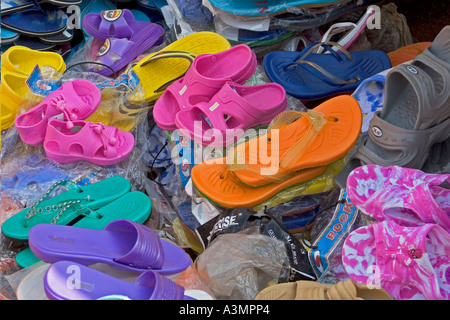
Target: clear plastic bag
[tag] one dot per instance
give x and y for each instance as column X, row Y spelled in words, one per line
column 237, row 266
column 393, row 31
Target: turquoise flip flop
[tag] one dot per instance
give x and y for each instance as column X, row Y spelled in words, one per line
column 76, row 204
column 135, row 206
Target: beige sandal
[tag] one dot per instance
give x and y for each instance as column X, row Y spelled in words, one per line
column 310, row 290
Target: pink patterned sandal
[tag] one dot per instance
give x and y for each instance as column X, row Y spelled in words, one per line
column 230, row 112
column 409, row 263
column 207, row 75
column 410, row 197
column 93, row 142
column 74, row 100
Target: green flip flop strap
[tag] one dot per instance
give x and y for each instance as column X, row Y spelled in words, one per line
column 77, row 205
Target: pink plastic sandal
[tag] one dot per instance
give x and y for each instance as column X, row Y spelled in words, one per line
column 207, row 75
column 410, row 197
column 230, row 112
column 74, row 100
column 93, row 142
column 410, row 263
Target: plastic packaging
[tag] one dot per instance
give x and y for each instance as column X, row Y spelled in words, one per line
column 330, row 229
column 305, row 19
column 392, row 32
column 237, row 266
column 320, row 184
column 238, row 220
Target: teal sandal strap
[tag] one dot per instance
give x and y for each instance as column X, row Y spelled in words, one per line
column 61, row 207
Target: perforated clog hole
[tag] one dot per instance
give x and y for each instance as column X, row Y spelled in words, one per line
column 52, row 146
column 76, row 149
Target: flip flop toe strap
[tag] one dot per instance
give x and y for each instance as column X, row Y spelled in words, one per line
column 319, row 71
column 57, row 209
column 146, row 250
column 287, row 160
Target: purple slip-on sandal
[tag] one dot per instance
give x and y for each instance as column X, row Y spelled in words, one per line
column 118, row 53
column 67, row 280
column 124, row 244
column 112, row 24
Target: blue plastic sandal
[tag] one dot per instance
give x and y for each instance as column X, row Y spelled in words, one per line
column 309, row 76
column 38, row 20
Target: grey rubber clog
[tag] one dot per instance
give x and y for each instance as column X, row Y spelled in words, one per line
column 415, row 114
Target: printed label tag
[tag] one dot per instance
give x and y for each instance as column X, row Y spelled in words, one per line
column 38, row 85
column 183, row 90
column 123, row 79
column 111, row 15
column 133, row 79
column 185, row 148
column 104, row 48
column 214, row 106
column 344, row 216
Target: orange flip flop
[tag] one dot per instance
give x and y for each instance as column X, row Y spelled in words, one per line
column 216, row 183
column 307, row 145
column 407, row 53
column 321, row 136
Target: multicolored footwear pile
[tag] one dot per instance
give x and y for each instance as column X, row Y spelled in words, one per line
column 222, row 150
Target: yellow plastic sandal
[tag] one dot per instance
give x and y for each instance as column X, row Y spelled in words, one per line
column 22, row 60
column 7, row 115
column 159, row 69
column 113, row 112
column 14, row 93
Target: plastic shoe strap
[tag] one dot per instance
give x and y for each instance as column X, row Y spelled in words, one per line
column 61, row 104
column 295, row 152
column 120, row 26
column 35, row 7
column 318, row 70
column 171, row 54
column 341, row 291
column 68, row 184
column 77, row 207
column 117, row 50
column 163, row 288
column 60, row 207
column 327, row 45
column 146, row 252
column 335, row 29
column 107, row 140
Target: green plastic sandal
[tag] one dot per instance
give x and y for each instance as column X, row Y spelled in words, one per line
column 135, row 206
column 77, row 203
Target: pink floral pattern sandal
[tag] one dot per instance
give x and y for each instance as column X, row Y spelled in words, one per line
column 74, row 100
column 410, row 263
column 409, row 197
column 93, row 142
